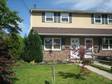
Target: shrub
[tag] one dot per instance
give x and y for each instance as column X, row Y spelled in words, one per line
column 33, row 48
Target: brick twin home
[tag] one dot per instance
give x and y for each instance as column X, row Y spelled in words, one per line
column 64, row 31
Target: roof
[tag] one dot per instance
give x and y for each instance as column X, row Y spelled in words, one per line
column 71, row 11
column 73, row 31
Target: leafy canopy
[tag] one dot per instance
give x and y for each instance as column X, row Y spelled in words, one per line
column 9, row 20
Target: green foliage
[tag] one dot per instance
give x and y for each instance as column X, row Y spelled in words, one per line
column 102, row 68
column 15, row 44
column 8, row 19
column 33, row 48
column 65, row 74
column 6, row 73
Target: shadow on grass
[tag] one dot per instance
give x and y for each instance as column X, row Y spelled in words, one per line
column 66, row 75
column 14, row 80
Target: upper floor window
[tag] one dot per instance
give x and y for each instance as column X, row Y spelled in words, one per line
column 109, row 19
column 56, row 17
column 64, row 17
column 49, row 17
column 101, row 19
column 107, row 43
column 97, row 18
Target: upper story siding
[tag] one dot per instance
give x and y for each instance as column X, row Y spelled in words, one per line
column 79, row 20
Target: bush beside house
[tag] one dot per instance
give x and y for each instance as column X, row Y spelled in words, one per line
column 33, row 48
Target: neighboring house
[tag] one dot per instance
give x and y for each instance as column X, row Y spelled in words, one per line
column 64, row 31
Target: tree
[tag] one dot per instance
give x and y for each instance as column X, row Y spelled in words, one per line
column 9, row 23
column 33, row 47
column 9, row 20
column 6, row 74
column 15, row 44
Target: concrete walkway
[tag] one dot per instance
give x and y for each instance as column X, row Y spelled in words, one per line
column 100, row 72
column 103, row 65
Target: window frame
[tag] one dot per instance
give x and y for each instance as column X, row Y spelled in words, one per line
column 95, row 15
column 64, row 15
column 109, row 48
column 52, row 48
column 47, row 15
column 45, row 43
column 109, row 19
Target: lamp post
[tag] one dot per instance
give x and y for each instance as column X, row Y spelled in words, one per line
column 52, row 67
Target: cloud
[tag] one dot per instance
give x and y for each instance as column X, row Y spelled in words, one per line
column 98, row 5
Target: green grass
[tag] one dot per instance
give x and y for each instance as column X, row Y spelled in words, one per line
column 65, row 74
column 102, row 68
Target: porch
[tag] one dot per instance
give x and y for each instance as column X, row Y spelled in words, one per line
column 62, row 47
column 61, row 41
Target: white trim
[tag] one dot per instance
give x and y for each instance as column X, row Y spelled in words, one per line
column 44, row 44
column 52, row 48
column 51, row 16
column 107, row 44
column 92, row 42
column 97, row 18
column 74, row 54
column 67, row 16
column 57, row 34
column 109, row 19
column 53, row 44
column 76, row 39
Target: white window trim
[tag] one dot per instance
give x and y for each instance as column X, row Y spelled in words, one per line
column 53, row 44
column 61, row 16
column 92, row 43
column 95, row 18
column 44, row 45
column 109, row 19
column 46, row 16
column 53, row 49
column 108, row 44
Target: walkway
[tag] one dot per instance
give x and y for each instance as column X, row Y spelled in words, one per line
column 100, row 72
column 103, row 65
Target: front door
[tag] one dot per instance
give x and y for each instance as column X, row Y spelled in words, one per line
column 89, row 47
column 75, row 44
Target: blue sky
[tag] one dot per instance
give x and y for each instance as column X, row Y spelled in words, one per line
column 22, row 6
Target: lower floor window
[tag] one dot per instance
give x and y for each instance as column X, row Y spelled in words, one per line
column 107, row 43
column 52, row 43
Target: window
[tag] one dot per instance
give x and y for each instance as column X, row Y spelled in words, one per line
column 49, row 17
column 98, row 19
column 109, row 19
column 52, row 44
column 48, row 43
column 107, row 43
column 64, row 17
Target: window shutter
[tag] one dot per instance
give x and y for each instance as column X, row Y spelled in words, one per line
column 70, row 17
column 104, row 19
column 56, row 17
column 106, row 22
column 92, row 18
column 62, row 41
column 43, row 16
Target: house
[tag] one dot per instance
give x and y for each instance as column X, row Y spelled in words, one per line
column 64, row 31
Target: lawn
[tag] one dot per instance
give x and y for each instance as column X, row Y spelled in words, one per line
column 65, row 74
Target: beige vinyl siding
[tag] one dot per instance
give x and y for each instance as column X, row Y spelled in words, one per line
column 78, row 21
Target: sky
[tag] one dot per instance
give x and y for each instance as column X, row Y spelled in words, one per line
column 23, row 7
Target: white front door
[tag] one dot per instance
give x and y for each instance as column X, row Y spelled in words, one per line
column 75, row 44
column 88, row 47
